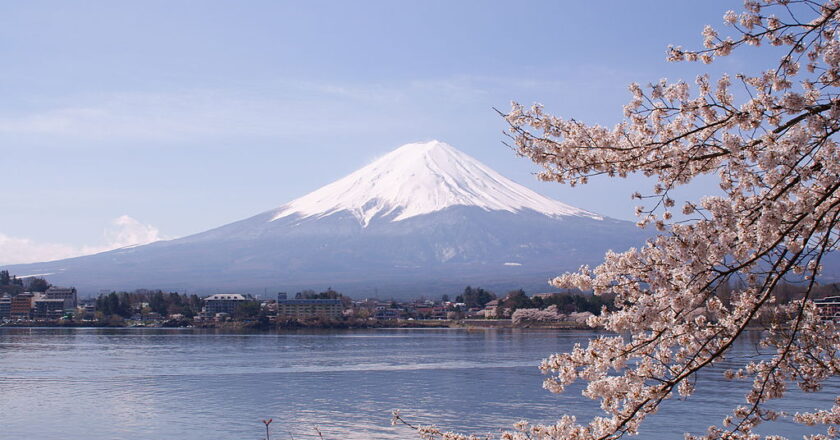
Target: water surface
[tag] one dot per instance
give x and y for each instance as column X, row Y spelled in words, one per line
column 188, row 384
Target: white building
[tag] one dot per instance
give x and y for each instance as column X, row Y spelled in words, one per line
column 224, row 303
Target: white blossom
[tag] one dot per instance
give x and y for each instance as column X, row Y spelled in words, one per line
column 776, row 156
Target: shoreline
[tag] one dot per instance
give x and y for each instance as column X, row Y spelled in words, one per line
column 466, row 324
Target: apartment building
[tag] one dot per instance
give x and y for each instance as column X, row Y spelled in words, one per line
column 309, row 308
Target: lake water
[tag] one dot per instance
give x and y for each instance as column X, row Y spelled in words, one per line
column 190, row 384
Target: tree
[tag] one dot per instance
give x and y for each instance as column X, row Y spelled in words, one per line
column 114, row 304
column 777, row 160
column 306, row 294
column 195, row 303
column 329, row 294
column 10, row 284
column 477, row 297
column 516, row 299
column 124, row 308
column 158, row 303
column 524, row 315
column 247, row 310
column 775, row 154
column 38, row 285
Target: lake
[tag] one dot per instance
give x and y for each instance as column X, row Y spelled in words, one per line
column 196, row 384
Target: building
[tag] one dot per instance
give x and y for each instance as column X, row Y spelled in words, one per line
column 829, row 307
column 491, row 309
column 309, row 308
column 224, row 303
column 387, row 313
column 5, row 307
column 48, row 308
column 430, row 312
column 68, row 294
column 21, row 307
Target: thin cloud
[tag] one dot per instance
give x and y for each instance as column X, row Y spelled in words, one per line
column 127, row 231
column 283, row 108
column 187, row 116
column 122, row 232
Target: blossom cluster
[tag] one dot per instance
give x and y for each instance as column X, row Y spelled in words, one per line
column 776, row 158
column 688, row 295
column 778, row 164
column 549, row 314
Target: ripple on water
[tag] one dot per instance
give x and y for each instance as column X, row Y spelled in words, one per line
column 189, row 384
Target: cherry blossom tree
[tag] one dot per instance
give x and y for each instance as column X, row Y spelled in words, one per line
column 775, row 154
column 524, row 316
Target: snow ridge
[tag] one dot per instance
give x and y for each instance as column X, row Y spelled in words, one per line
column 422, row 178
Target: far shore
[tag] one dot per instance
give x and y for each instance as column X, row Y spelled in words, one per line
column 295, row 325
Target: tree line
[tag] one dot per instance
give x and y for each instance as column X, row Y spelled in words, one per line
column 567, row 302
column 12, row 285
column 126, row 304
column 571, row 300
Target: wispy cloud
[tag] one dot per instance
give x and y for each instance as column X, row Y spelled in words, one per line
column 189, row 116
column 144, row 116
column 123, row 231
column 285, row 108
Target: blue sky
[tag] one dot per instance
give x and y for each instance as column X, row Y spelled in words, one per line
column 130, row 121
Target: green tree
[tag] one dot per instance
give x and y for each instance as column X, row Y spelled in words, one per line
column 329, row 294
column 306, row 294
column 516, row 299
column 247, row 310
column 158, row 303
column 38, row 285
column 5, row 278
column 477, row 297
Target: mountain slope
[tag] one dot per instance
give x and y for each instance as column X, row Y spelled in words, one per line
column 423, row 219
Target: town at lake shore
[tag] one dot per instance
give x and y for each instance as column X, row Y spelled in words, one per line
column 32, row 301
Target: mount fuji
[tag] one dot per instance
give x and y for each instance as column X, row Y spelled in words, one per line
column 423, row 219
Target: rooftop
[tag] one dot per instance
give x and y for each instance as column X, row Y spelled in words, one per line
column 308, row 301
column 227, row 296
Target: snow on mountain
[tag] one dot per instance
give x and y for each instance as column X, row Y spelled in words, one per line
column 424, row 219
column 422, row 178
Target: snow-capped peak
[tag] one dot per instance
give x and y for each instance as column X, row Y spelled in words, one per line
column 421, row 178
